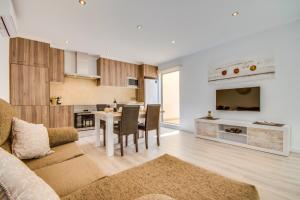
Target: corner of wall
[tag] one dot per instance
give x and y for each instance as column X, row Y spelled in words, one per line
column 4, row 68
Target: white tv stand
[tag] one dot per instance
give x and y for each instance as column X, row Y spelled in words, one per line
column 270, row 139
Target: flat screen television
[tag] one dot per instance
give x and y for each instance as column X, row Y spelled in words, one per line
column 238, row 99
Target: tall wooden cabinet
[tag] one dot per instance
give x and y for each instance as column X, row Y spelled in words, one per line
column 29, row 79
column 56, row 65
column 29, row 52
column 29, row 85
column 34, row 114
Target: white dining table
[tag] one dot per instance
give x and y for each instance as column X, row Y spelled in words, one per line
column 109, row 118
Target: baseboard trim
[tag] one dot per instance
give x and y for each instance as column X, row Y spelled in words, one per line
column 295, row 150
column 172, row 126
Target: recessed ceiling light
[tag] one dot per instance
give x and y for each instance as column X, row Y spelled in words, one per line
column 173, row 41
column 67, row 41
column 139, row 27
column 236, row 13
column 82, row 2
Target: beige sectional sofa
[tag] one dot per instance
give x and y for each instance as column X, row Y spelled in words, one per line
column 67, row 169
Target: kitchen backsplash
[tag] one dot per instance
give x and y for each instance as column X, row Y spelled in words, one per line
column 86, row 92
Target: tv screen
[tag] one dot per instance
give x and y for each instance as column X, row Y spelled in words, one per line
column 239, row 99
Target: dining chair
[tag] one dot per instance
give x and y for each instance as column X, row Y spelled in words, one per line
column 151, row 122
column 128, row 125
column 101, row 107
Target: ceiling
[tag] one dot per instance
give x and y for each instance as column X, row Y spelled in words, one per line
column 109, row 27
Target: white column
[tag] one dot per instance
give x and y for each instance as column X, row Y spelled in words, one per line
column 97, row 132
column 109, row 135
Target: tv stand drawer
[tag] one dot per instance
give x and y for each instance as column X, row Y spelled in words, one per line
column 265, row 138
column 207, row 129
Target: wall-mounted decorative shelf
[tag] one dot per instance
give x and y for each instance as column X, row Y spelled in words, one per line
column 242, row 69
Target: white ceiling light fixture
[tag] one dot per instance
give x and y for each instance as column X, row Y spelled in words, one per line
column 67, row 41
column 139, row 27
column 173, row 41
column 236, row 13
column 82, row 2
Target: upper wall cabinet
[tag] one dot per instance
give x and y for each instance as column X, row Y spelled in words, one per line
column 29, row 52
column 132, row 70
column 150, row 71
column 56, row 65
column 112, row 72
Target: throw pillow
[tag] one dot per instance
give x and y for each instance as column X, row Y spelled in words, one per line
column 18, row 182
column 29, row 140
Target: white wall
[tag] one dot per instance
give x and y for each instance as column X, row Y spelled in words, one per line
column 280, row 97
column 4, row 68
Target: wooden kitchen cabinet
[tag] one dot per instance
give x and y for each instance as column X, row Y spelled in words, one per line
column 150, row 71
column 29, row 85
column 29, row 52
column 112, row 72
column 132, row 70
column 56, row 65
column 33, row 114
column 61, row 116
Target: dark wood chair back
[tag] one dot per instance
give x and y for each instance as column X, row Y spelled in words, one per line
column 152, row 117
column 129, row 119
column 101, row 107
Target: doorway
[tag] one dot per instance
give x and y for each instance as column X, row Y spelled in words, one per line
column 170, row 96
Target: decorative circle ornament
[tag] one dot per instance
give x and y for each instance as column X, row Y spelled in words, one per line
column 253, row 67
column 224, row 72
column 236, row 70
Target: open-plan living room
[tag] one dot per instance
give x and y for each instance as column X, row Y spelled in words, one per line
column 149, row 100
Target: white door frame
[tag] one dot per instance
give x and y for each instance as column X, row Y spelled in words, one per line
column 161, row 73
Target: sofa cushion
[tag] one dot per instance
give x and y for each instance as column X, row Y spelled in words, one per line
column 7, row 112
column 61, row 153
column 71, row 175
column 7, row 146
column 19, row 182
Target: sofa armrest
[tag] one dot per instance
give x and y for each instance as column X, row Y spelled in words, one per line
column 59, row 136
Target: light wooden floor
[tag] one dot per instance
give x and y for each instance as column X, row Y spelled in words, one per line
column 276, row 177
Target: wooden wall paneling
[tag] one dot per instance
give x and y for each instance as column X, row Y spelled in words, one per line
column 61, row 116
column 33, row 114
column 56, row 65
column 29, row 85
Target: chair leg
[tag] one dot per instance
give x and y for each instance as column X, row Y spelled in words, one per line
column 146, row 139
column 126, row 140
column 136, row 142
column 157, row 138
column 121, row 142
column 104, row 137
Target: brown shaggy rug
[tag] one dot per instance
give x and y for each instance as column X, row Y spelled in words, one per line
column 170, row 176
